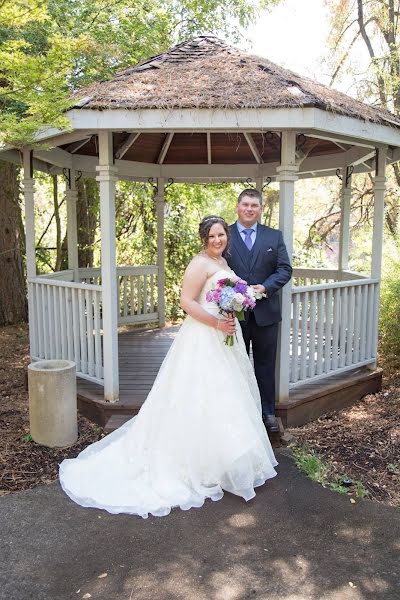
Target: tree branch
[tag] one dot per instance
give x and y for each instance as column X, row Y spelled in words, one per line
column 367, row 41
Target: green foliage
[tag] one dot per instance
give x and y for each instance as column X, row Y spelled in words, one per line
column 49, row 48
column 27, row 438
column 389, row 321
column 318, row 470
column 186, row 205
column 310, row 463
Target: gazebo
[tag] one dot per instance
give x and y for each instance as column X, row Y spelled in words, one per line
column 207, row 112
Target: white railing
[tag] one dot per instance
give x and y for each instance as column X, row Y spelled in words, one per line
column 67, row 324
column 304, row 277
column 67, row 275
column 137, row 288
column 333, row 329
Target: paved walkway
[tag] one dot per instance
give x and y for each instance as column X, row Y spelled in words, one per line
column 294, row 541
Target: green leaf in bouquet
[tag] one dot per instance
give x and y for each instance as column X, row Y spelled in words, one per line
column 240, row 315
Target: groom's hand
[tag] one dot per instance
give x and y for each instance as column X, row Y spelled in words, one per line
column 259, row 289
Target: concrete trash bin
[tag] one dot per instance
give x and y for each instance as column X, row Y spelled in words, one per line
column 52, row 403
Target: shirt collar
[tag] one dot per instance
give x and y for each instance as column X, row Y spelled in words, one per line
column 242, row 228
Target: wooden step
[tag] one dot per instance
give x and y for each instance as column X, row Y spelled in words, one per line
column 116, row 421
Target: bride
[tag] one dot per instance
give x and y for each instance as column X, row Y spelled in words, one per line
column 200, row 430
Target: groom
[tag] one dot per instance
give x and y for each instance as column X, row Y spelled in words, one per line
column 258, row 255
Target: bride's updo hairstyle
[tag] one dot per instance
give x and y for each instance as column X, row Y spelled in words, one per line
column 207, row 223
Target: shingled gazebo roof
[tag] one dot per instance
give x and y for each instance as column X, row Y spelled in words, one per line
column 208, row 73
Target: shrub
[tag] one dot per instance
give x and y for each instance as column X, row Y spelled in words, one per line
column 389, row 319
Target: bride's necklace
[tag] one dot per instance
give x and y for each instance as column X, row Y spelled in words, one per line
column 219, row 260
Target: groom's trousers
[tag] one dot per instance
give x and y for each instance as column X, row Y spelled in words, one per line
column 263, row 343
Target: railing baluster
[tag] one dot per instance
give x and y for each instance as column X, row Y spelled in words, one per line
column 63, row 323
column 152, row 293
column 82, row 331
column 364, row 324
column 350, row 329
column 125, row 297
column 375, row 320
column 70, row 335
column 75, row 327
column 50, row 322
column 89, row 330
column 328, row 332
column 145, row 311
column 320, row 331
column 38, row 313
column 33, row 324
column 311, row 363
column 357, row 323
column 139, row 296
column 132, row 283
column 336, row 328
column 343, row 327
column 304, row 323
column 97, row 335
column 370, row 316
column 57, row 322
column 295, row 339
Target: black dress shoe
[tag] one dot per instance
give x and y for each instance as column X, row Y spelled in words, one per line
column 271, row 423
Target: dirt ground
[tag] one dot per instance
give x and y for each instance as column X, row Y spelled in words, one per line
column 23, row 463
column 361, row 442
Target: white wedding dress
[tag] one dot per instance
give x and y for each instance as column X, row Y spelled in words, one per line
column 199, row 432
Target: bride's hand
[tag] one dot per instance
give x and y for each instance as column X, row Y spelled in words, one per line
column 227, row 326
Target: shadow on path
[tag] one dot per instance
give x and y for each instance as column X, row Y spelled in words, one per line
column 294, row 541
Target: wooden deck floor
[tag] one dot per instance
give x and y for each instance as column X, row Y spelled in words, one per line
column 141, row 353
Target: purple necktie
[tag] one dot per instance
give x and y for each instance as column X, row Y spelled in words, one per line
column 247, row 239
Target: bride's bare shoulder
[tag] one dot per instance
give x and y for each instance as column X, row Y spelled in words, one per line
column 199, row 265
column 199, row 259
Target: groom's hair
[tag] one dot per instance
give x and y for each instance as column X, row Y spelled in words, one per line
column 251, row 193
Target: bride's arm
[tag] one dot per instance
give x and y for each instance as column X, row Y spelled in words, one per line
column 193, row 282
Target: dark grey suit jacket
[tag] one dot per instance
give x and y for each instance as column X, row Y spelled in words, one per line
column 267, row 263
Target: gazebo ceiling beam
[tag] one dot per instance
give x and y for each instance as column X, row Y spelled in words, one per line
column 253, row 147
column 14, row 157
column 301, row 155
column 335, row 126
column 204, row 179
column 164, row 149
column 60, row 137
column 226, row 171
column 56, row 156
column 338, row 139
column 78, row 145
column 124, row 147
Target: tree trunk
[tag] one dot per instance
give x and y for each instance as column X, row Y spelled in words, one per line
column 13, row 303
column 87, row 217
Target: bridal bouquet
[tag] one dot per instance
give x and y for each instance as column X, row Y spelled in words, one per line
column 233, row 296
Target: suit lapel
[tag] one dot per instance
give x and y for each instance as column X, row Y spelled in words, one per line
column 257, row 245
column 239, row 245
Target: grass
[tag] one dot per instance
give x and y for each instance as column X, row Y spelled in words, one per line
column 316, row 469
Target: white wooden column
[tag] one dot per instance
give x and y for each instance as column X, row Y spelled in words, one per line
column 71, row 196
column 29, row 195
column 287, row 176
column 160, row 210
column 107, row 176
column 377, row 237
column 344, row 237
column 29, row 200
